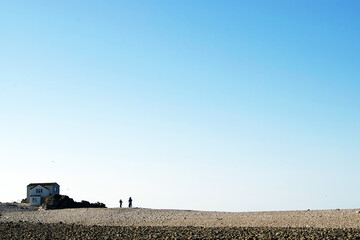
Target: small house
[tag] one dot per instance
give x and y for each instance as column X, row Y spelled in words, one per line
column 36, row 192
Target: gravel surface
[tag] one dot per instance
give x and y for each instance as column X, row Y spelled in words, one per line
column 349, row 218
column 71, row 231
column 16, row 207
column 19, row 221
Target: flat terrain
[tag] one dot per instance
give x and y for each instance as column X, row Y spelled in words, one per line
column 342, row 218
column 71, row 231
column 19, row 221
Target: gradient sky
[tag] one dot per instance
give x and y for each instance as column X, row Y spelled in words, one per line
column 209, row 105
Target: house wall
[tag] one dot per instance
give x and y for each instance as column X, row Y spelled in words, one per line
column 52, row 189
column 57, row 190
column 28, row 194
column 35, row 201
column 39, row 191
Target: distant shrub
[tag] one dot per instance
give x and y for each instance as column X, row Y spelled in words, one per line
column 58, row 201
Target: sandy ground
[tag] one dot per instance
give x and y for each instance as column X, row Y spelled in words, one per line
column 340, row 218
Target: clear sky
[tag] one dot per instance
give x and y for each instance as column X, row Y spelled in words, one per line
column 209, row 105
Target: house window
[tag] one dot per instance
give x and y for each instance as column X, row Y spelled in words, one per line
column 38, row 190
column 54, row 189
column 34, row 199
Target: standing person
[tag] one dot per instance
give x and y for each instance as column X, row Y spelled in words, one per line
column 120, row 203
column 130, row 202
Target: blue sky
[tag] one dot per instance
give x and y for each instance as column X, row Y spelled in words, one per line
column 211, row 105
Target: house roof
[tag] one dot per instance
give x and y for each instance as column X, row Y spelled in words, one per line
column 42, row 184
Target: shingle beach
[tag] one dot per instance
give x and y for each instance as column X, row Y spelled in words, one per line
column 18, row 221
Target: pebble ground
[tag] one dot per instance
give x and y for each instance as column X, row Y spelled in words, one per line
column 71, row 231
column 20, row 221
